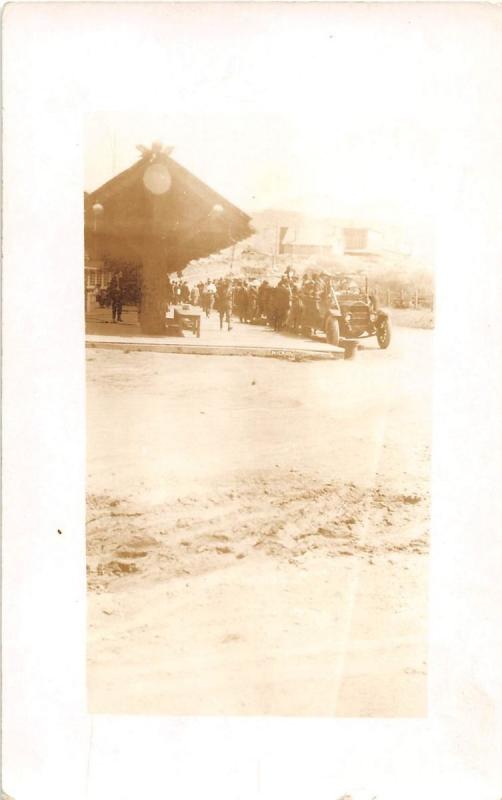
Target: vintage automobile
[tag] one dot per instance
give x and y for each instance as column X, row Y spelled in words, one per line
column 346, row 311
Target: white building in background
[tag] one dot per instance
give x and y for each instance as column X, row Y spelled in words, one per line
column 290, row 235
column 96, row 275
column 330, row 239
column 357, row 239
column 311, row 240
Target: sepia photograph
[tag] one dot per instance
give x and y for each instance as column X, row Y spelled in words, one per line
column 251, row 390
column 259, row 301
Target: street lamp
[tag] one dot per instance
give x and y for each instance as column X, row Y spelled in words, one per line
column 218, row 212
column 97, row 210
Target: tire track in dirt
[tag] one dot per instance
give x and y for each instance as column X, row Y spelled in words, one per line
column 281, row 516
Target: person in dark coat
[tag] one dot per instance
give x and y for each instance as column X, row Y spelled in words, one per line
column 295, row 314
column 243, row 295
column 262, row 290
column 280, row 304
column 185, row 292
column 208, row 296
column 252, row 303
column 116, row 293
column 224, row 303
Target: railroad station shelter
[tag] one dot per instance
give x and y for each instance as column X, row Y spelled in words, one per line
column 156, row 214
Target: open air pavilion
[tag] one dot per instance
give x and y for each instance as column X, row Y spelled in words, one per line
column 159, row 216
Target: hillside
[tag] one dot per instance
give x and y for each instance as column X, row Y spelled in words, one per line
column 387, row 268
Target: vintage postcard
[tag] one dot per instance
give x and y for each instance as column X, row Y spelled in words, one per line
column 258, row 417
column 251, row 389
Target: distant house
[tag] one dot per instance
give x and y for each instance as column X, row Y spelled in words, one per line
column 329, row 239
column 339, row 240
column 311, row 240
column 361, row 240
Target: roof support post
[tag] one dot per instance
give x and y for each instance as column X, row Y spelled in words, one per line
column 152, row 315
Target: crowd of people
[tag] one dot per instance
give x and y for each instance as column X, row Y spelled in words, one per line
column 285, row 305
column 293, row 303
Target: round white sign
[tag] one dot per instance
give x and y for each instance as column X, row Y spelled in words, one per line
column 157, row 179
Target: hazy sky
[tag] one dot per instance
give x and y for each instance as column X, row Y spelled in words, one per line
column 331, row 111
column 329, row 165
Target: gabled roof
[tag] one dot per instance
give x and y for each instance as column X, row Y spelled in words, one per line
column 188, row 221
column 319, row 235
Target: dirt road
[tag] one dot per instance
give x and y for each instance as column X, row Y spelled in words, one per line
column 258, row 533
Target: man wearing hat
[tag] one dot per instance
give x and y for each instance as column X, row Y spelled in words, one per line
column 116, row 292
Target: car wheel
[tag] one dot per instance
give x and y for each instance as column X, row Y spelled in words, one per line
column 333, row 331
column 383, row 334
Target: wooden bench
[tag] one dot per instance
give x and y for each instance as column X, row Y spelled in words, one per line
column 186, row 316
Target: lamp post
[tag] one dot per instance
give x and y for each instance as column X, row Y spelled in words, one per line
column 97, row 211
column 216, row 212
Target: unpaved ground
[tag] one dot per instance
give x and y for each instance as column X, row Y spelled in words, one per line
column 258, row 533
column 412, row 317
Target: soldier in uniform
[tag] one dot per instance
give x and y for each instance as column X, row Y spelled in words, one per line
column 116, row 292
column 295, row 317
column 224, row 302
column 185, row 292
column 262, row 299
column 252, row 303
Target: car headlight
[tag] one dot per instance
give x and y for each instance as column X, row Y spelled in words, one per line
column 373, row 317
